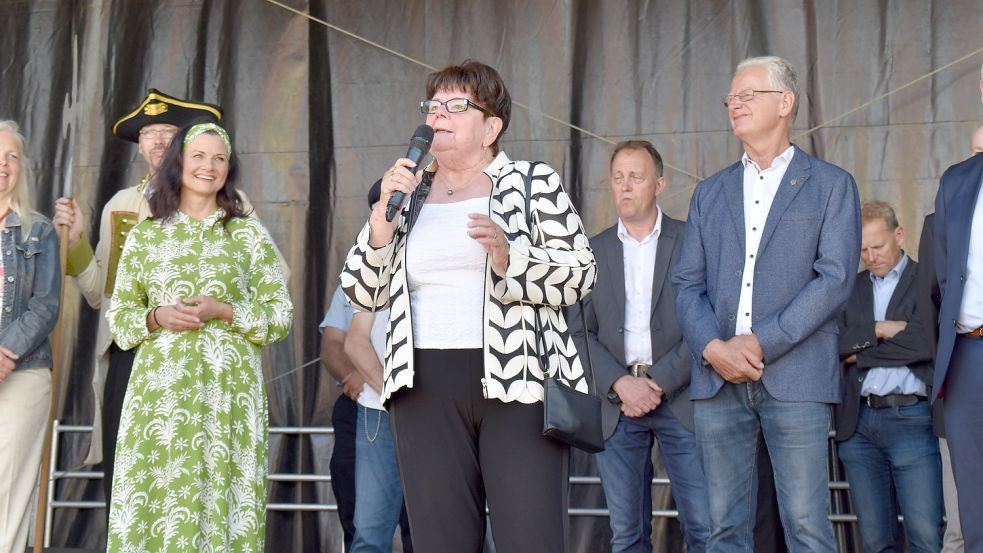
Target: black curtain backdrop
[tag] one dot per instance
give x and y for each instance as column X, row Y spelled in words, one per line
column 317, row 116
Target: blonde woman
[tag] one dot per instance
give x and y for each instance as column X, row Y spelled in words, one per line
column 30, row 280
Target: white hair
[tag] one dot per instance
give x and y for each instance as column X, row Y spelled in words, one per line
column 780, row 74
column 20, row 201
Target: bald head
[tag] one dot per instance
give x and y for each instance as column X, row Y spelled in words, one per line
column 978, row 140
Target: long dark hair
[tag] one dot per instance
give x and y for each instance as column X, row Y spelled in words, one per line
column 166, row 184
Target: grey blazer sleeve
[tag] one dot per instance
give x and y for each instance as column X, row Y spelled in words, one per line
column 607, row 369
column 689, row 280
column 672, row 370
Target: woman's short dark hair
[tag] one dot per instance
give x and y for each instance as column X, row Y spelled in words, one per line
column 166, row 184
column 480, row 81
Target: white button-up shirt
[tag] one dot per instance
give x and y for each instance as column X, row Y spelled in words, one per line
column 760, row 187
column 881, row 381
column 971, row 309
column 639, row 260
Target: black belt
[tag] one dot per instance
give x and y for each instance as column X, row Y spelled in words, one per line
column 892, row 400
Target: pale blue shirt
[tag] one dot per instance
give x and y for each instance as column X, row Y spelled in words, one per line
column 339, row 314
column 882, row 381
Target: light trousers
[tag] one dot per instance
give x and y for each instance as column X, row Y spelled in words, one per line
column 25, row 398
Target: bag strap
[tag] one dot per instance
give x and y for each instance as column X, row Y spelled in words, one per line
column 527, row 178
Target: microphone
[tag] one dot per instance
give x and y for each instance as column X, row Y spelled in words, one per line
column 419, row 147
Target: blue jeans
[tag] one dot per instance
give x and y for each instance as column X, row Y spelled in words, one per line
column 893, row 458
column 728, row 427
column 379, row 499
column 625, row 467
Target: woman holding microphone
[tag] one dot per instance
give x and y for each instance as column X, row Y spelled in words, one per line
column 475, row 283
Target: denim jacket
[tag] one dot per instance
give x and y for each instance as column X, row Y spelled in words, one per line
column 31, row 289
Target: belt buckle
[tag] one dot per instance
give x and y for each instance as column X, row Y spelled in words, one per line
column 639, row 370
column 868, row 402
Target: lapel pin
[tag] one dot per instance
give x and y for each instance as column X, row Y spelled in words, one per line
column 793, row 181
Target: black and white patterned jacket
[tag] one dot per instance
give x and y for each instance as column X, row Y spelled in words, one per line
column 550, row 265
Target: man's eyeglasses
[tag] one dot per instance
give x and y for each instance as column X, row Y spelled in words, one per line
column 165, row 134
column 747, row 95
column 454, row 105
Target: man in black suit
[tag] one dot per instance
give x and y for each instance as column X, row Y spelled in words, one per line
column 640, row 361
column 884, row 424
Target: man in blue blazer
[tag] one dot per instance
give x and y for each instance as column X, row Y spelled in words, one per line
column 769, row 256
column 959, row 359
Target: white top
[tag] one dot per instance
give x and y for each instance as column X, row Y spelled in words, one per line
column 760, row 187
column 445, row 270
column 882, row 381
column 639, row 259
column 377, row 336
column 971, row 309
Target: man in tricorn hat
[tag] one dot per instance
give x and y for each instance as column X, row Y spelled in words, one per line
column 151, row 125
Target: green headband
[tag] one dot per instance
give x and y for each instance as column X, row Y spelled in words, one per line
column 201, row 128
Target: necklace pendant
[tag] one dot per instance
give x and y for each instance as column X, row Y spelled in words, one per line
column 450, row 192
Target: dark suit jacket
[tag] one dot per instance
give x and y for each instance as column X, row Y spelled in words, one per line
column 912, row 347
column 931, row 297
column 954, row 205
column 605, row 313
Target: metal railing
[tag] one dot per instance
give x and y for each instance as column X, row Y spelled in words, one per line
column 55, row 474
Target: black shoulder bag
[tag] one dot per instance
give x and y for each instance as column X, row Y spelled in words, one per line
column 569, row 416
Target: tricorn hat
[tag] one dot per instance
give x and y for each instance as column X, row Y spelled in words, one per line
column 158, row 107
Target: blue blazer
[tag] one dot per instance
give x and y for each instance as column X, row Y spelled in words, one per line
column 954, row 205
column 805, row 268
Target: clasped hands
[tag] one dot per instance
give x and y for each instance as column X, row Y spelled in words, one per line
column 737, row 360
column 639, row 395
column 188, row 314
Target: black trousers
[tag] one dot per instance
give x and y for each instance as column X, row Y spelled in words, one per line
column 456, row 451
column 342, row 464
column 117, row 378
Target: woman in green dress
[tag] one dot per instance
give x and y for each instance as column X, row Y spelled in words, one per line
column 198, row 292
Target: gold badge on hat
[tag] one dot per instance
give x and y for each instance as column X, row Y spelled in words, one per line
column 156, row 108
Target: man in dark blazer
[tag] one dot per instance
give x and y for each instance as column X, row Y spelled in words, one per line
column 768, row 259
column 959, row 359
column 884, row 424
column 640, row 361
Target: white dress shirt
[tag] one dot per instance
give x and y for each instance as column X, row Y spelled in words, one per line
column 639, row 259
column 760, row 187
column 882, row 381
column 971, row 309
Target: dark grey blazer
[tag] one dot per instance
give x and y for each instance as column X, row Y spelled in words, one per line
column 605, row 313
column 912, row 347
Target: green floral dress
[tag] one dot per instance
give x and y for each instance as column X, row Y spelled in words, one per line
column 192, row 451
